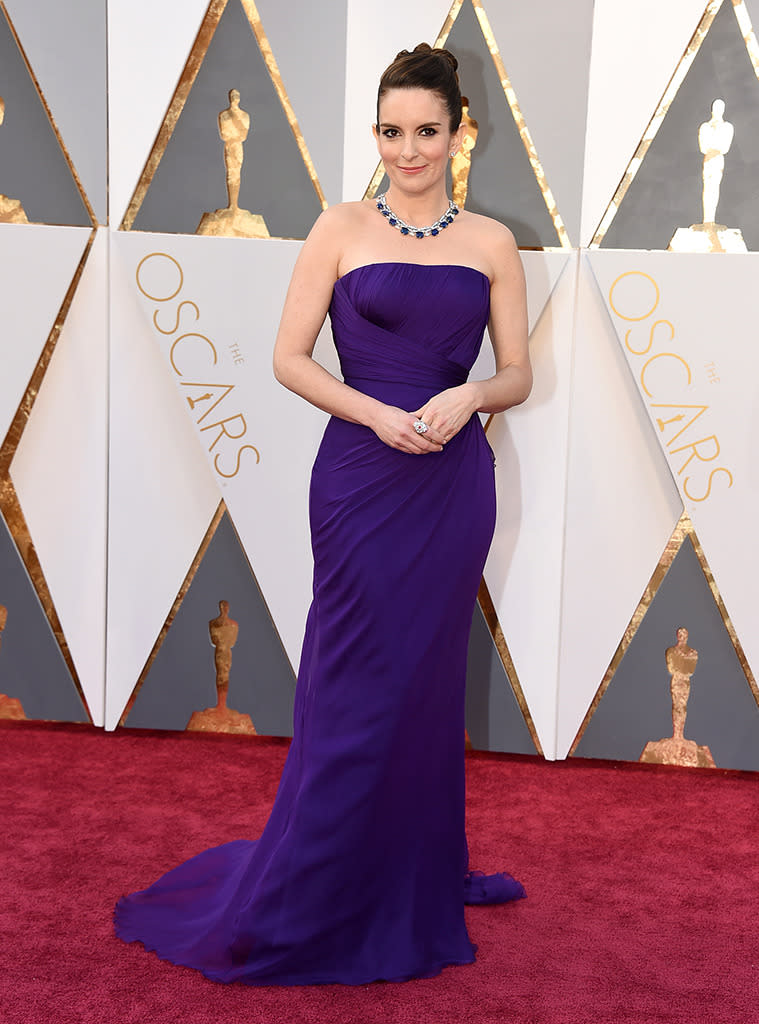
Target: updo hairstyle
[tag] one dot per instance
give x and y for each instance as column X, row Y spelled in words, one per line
column 425, row 68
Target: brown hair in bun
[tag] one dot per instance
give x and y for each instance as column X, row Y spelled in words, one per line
column 425, row 68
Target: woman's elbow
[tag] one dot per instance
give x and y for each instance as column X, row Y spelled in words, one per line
column 280, row 366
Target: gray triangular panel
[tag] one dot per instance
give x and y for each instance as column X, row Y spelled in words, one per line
column 636, row 709
column 32, row 668
column 502, row 183
column 33, row 169
column 493, row 718
column 190, row 179
column 665, row 194
column 182, row 678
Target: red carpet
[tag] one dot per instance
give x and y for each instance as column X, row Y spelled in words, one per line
column 643, row 888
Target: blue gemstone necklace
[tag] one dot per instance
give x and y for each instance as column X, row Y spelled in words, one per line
column 408, row 229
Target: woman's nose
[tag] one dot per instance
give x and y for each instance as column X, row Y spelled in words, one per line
column 408, row 150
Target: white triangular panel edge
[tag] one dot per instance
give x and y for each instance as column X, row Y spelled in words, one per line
column 637, row 45
column 32, row 289
column 60, row 469
column 622, row 507
column 162, row 496
column 138, row 97
column 523, row 571
column 702, row 352
column 374, row 36
column 238, row 287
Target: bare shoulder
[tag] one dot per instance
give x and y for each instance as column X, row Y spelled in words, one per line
column 333, row 228
column 492, row 244
column 342, row 216
column 490, row 232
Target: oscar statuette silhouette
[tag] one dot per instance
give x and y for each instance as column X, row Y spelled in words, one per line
column 234, row 126
column 675, row 749
column 715, row 138
column 221, row 718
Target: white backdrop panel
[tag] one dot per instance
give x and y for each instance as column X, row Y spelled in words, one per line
column 622, row 507
column 260, row 439
column 523, row 571
column 162, row 496
column 148, row 44
column 38, row 262
column 637, row 44
column 693, row 355
column 60, row 472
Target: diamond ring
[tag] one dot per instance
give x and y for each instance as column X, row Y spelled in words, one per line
column 420, row 427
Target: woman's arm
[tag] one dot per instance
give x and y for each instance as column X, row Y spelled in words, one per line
column 305, row 309
column 512, row 382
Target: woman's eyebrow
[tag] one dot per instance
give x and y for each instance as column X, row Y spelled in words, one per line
column 427, row 124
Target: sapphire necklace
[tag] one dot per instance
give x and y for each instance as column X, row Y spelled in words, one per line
column 408, row 229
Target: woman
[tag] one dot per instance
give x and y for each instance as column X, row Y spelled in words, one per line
column 361, row 872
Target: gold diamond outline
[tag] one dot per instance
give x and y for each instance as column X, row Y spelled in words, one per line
column 53, row 125
column 516, row 113
column 10, row 507
column 678, row 76
column 683, row 530
column 192, row 66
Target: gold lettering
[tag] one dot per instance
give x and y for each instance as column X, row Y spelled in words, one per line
column 190, row 335
column 185, row 302
column 634, row 273
column 719, row 469
column 662, row 423
column 159, row 298
column 695, row 453
column 661, row 355
column 642, row 351
column 249, row 447
column 223, row 432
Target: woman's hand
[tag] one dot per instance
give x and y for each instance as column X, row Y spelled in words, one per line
column 396, row 428
column 446, row 413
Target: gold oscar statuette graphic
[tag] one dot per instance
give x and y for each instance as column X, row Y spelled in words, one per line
column 461, row 162
column 715, row 137
column 234, row 126
column 223, row 632
column 681, row 664
column 10, row 707
column 11, row 210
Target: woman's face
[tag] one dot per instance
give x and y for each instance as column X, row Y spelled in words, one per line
column 414, row 138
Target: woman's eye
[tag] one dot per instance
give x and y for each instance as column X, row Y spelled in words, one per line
column 390, row 133
column 428, row 132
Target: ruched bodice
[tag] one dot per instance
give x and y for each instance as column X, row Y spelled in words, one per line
column 361, row 871
column 409, row 323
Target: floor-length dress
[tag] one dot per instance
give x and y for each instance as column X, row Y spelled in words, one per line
column 361, row 871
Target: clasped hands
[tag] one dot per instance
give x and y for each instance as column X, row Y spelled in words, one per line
column 445, row 414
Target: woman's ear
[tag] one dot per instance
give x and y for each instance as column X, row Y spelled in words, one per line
column 456, row 138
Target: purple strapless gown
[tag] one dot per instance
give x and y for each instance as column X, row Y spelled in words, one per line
column 361, row 872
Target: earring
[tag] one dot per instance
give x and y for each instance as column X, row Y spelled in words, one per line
column 452, row 153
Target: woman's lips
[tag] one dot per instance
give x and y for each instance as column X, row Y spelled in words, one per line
column 411, row 170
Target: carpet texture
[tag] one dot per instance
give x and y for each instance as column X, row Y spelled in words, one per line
column 642, row 881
